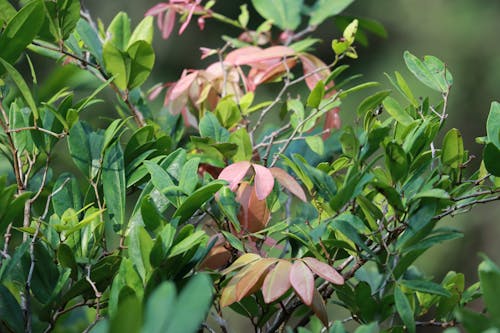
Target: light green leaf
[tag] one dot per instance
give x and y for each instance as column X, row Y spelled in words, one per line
column 435, row 193
column 493, row 124
column 143, row 32
column 405, row 89
column 117, row 64
column 242, row 139
column 119, row 31
column 211, row 128
column 427, row 287
column 188, row 243
column 452, row 154
column 139, row 249
column 432, row 72
column 7, row 11
column 396, row 111
column 324, row 9
column 372, row 102
column 316, row 144
column 285, row 14
column 316, row 95
column 189, row 175
column 159, row 308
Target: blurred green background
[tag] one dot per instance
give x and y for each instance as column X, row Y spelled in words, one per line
column 463, row 33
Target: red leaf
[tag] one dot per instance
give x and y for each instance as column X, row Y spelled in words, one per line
column 277, row 281
column 289, row 183
column 252, row 280
column 332, row 121
column 319, row 307
column 302, row 280
column 323, row 270
column 234, row 173
column 264, row 181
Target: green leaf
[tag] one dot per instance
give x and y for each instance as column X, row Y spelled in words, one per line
column 127, row 277
column 128, row 317
column 113, row 183
column 316, row 95
column 22, row 86
column 11, row 313
column 452, row 153
column 359, row 87
column 67, row 196
column 489, row 276
column 20, row 31
column 491, row 156
column 427, row 287
column 66, row 258
column 211, row 128
column 79, row 147
column 404, row 309
column 405, row 89
column 316, row 144
column 139, row 249
column 116, row 63
column 7, row 11
column 435, row 193
column 241, row 138
column 396, row 111
column 431, row 72
column 396, row 161
column 63, row 16
column 284, row 14
column 493, row 124
column 89, row 36
column 188, row 243
column 119, row 31
column 143, row 32
column 192, row 306
column 142, row 61
column 189, row 175
column 159, row 306
column 227, row 112
column 197, row 199
column 372, row 102
column 324, row 9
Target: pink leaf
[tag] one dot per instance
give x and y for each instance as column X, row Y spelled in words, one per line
column 183, row 85
column 233, row 56
column 254, row 55
column 311, row 66
column 324, row 270
column 157, row 9
column 277, row 281
column 234, row 173
column 302, row 280
column 289, row 183
column 264, row 181
column 168, row 24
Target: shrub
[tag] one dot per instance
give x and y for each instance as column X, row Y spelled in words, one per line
column 223, row 199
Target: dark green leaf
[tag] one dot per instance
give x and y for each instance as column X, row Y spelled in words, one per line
column 66, row 258
column 20, row 31
column 128, row 317
column 404, row 309
column 11, row 314
column 68, row 194
column 197, row 199
column 211, row 128
column 372, row 102
column 491, row 156
column 489, row 275
column 139, row 249
column 396, row 161
column 113, row 182
column 493, row 124
column 159, row 307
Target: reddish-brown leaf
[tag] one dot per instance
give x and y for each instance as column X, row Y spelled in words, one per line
column 234, row 173
column 253, row 278
column 323, row 270
column 289, row 183
column 319, row 307
column 254, row 214
column 242, row 261
column 277, row 281
column 218, row 257
column 302, row 280
column 264, row 181
column 332, row 121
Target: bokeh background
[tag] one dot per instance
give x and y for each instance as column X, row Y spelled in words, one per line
column 463, row 33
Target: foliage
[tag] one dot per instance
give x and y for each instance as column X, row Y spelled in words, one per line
column 177, row 213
